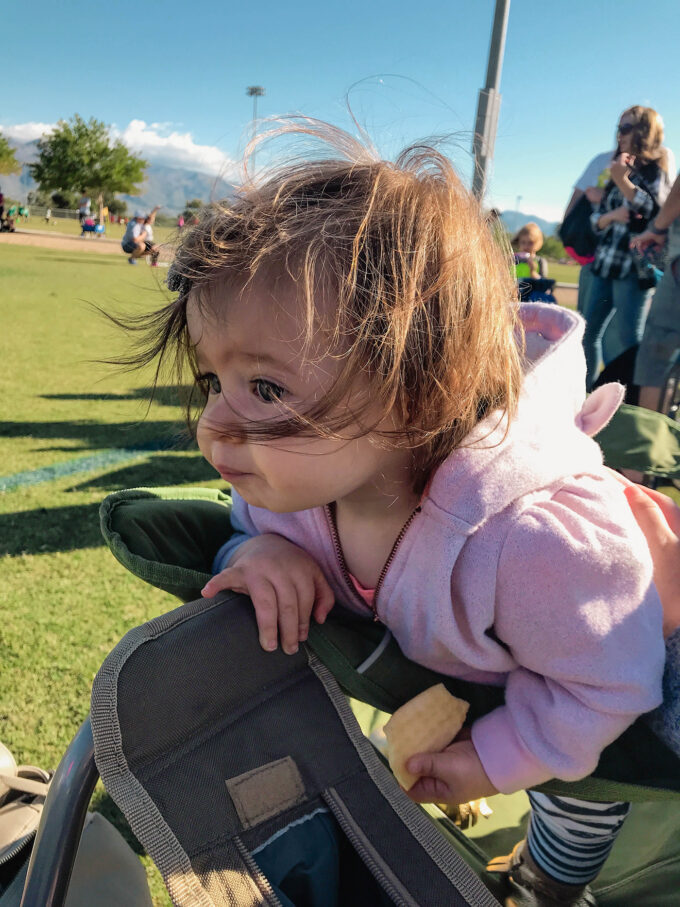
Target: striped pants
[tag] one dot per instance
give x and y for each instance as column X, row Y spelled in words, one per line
column 571, row 839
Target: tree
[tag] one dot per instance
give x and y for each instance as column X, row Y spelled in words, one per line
column 191, row 209
column 117, row 206
column 8, row 161
column 38, row 199
column 80, row 156
column 552, row 247
column 65, row 200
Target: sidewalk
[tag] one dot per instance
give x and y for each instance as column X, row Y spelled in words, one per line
column 69, row 243
column 566, row 294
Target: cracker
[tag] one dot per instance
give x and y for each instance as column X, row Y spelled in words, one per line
column 425, row 724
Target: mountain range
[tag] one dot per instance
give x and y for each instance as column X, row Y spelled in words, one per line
column 513, row 220
column 171, row 187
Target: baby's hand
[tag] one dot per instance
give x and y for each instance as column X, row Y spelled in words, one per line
column 285, row 584
column 454, row 776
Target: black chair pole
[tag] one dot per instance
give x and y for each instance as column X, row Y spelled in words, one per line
column 56, row 844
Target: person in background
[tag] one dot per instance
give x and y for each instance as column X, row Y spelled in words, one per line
column 659, row 519
column 180, row 222
column 591, row 183
column 2, row 205
column 638, row 185
column 152, row 250
column 526, row 244
column 661, row 338
column 84, row 207
column 134, row 241
column 48, row 215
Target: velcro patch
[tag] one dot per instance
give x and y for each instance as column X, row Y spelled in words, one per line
column 266, row 791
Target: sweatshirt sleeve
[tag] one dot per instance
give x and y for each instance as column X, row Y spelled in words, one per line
column 243, row 528
column 576, row 607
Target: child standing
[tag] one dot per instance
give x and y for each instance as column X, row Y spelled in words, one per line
column 404, row 439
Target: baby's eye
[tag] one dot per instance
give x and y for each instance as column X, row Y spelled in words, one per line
column 267, row 391
column 211, row 382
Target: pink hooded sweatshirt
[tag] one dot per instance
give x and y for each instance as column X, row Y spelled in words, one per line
column 523, row 567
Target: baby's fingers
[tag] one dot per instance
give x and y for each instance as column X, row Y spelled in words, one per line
column 324, row 597
column 430, row 787
column 288, row 615
column 264, row 599
column 231, row 578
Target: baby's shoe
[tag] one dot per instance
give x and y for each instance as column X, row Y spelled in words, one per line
column 530, row 886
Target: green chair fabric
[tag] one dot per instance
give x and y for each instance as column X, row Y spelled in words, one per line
column 643, row 440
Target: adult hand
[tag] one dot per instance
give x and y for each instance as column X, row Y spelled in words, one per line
column 659, row 518
column 620, row 214
column 456, row 775
column 285, row 584
column 647, row 239
column 594, row 194
column 620, row 168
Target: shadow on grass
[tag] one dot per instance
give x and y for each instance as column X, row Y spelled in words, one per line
column 166, row 395
column 46, row 530
column 106, row 259
column 93, row 435
column 155, row 471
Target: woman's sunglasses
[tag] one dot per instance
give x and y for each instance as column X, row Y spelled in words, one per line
column 625, row 128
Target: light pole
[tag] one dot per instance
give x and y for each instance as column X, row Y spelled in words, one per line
column 489, row 102
column 254, row 92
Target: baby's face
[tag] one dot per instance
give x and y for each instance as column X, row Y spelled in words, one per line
column 526, row 244
column 250, row 353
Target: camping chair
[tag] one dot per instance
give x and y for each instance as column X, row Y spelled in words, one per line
column 212, row 808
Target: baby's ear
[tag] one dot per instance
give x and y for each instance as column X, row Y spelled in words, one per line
column 599, row 408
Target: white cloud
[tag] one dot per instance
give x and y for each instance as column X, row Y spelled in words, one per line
column 26, row 132
column 539, row 209
column 156, row 142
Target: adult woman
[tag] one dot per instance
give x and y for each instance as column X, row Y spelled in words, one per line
column 638, row 185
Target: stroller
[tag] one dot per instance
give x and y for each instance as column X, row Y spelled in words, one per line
column 249, row 776
column 532, row 289
column 89, row 226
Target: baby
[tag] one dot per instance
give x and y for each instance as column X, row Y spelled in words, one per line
column 403, row 438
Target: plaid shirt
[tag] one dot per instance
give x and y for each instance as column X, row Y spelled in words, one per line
column 613, row 257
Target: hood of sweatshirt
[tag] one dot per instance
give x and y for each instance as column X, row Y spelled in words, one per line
column 548, row 436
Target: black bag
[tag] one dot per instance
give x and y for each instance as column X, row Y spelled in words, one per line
column 575, row 230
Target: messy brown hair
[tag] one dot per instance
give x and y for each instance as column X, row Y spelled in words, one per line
column 647, row 137
column 426, row 304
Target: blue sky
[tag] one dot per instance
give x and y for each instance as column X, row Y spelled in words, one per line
column 171, row 76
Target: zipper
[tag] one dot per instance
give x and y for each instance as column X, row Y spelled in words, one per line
column 393, row 552
column 369, row 857
column 18, row 847
column 330, row 517
column 257, row 874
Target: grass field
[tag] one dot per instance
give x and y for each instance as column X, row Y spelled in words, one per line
column 564, row 273
column 64, row 600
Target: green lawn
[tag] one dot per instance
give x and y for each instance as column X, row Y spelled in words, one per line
column 64, row 600
column 564, row 273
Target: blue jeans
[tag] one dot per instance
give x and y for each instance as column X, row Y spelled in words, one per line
column 609, row 296
column 610, row 342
